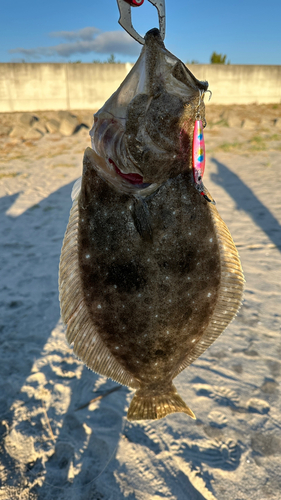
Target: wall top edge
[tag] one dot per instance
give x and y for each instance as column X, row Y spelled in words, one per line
column 123, row 64
column 62, row 64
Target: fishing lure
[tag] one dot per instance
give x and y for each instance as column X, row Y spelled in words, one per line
column 199, row 153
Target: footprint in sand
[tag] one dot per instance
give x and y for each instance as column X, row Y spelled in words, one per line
column 266, row 444
column 217, row 419
column 222, row 395
column 219, row 454
column 270, row 387
column 274, row 367
column 147, row 437
column 237, row 368
column 255, row 405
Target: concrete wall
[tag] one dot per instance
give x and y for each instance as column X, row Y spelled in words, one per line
column 241, row 84
column 40, row 86
column 43, row 86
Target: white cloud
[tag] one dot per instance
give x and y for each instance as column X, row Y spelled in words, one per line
column 83, row 34
column 85, row 41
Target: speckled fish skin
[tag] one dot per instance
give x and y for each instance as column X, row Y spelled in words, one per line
column 149, row 275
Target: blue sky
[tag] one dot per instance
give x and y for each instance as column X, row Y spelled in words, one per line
column 247, row 31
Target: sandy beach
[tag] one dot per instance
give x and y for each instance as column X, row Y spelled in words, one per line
column 49, row 448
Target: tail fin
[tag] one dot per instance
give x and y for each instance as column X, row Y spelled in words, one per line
column 153, row 407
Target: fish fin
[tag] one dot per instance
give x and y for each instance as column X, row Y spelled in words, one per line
column 141, row 218
column 87, row 344
column 154, row 407
column 76, row 189
column 230, row 292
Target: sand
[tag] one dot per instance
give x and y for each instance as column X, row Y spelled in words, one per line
column 49, row 448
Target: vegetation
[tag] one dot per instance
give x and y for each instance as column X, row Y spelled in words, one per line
column 214, row 59
column 110, row 60
column 218, row 59
column 257, row 143
column 229, row 146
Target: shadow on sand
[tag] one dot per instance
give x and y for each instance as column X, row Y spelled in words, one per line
column 246, row 200
column 87, row 439
column 29, row 305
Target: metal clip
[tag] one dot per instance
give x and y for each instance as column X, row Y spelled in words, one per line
column 125, row 19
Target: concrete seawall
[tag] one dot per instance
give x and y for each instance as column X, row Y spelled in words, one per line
column 43, row 86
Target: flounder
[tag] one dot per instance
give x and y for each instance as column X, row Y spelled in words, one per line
column 149, row 274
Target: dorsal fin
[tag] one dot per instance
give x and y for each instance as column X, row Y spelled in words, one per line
column 76, row 189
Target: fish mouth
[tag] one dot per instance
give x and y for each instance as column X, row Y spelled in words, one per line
column 144, row 131
column 111, row 160
column 132, row 178
column 128, row 183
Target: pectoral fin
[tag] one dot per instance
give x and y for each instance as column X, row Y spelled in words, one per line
column 141, row 218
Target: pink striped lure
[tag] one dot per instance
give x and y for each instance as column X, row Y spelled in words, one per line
column 198, row 152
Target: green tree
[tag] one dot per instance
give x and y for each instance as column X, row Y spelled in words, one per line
column 112, row 59
column 218, row 59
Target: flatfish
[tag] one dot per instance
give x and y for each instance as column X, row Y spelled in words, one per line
column 149, row 274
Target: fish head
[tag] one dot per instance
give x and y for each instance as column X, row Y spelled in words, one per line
column 145, row 129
